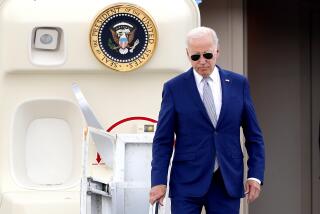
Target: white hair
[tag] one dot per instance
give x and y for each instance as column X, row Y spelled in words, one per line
column 199, row 32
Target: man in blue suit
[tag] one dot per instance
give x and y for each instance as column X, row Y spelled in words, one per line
column 205, row 108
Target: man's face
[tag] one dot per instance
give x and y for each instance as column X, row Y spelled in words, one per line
column 202, row 46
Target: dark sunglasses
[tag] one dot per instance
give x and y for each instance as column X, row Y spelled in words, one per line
column 196, row 57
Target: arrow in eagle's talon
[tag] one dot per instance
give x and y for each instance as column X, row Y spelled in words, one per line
column 134, row 45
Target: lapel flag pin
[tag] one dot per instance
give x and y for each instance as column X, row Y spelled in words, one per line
column 227, row 80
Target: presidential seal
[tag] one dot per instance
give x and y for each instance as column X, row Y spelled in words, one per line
column 123, row 37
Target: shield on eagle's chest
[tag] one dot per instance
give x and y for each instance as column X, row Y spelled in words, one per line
column 123, row 41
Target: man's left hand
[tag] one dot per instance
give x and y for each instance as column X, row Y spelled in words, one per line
column 253, row 189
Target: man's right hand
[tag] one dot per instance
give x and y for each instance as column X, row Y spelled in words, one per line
column 157, row 193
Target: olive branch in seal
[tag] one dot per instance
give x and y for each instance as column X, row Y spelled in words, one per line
column 111, row 45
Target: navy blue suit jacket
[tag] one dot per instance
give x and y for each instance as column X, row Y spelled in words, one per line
column 184, row 115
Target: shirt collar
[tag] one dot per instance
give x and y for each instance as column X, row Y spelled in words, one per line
column 214, row 76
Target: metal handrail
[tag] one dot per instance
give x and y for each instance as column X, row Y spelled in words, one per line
column 155, row 208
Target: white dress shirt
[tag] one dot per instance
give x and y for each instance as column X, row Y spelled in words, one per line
column 215, row 86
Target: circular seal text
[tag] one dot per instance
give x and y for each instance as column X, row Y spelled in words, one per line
column 123, row 37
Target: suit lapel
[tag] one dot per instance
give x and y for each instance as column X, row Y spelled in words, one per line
column 225, row 90
column 194, row 94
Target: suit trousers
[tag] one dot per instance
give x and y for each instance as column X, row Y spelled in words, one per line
column 215, row 201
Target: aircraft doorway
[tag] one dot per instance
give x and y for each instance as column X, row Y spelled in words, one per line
column 283, row 50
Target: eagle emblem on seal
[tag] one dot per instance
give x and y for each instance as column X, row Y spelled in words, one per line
column 123, row 35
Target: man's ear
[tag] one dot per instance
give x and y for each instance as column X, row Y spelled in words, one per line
column 187, row 52
column 218, row 53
